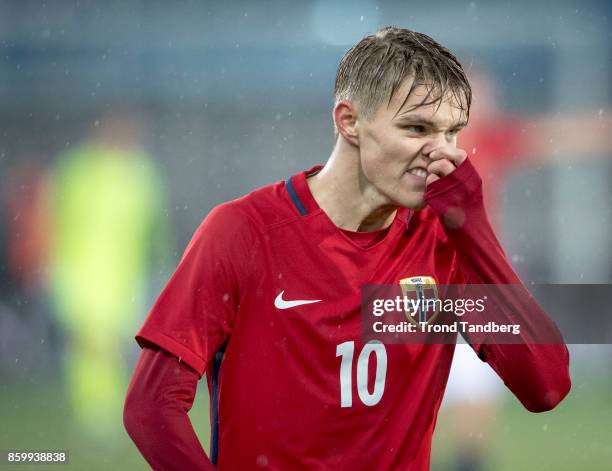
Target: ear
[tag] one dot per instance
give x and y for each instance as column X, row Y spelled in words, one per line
column 345, row 119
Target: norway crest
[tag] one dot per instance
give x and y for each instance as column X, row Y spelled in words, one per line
column 421, row 295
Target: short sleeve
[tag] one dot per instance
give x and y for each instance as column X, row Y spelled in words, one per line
column 195, row 313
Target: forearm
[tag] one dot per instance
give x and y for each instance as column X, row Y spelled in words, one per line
column 537, row 369
column 159, row 398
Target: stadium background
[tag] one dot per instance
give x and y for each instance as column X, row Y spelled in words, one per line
column 223, row 97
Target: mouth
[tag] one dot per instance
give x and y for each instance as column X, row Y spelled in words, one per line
column 419, row 172
column 415, row 179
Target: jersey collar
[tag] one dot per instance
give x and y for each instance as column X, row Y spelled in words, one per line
column 304, row 203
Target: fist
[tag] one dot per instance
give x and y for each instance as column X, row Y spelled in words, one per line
column 444, row 159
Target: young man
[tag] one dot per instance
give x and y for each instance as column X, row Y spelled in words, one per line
column 266, row 298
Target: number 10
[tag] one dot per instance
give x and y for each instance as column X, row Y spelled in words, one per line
column 346, row 350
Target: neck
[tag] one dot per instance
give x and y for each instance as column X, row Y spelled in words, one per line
column 343, row 192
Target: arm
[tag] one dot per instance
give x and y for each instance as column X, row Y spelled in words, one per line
column 538, row 375
column 191, row 319
column 155, row 415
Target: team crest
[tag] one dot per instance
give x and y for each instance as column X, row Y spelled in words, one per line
column 424, row 303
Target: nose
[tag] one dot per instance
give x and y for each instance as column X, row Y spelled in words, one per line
column 434, row 141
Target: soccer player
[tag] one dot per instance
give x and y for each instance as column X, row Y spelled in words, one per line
column 266, row 298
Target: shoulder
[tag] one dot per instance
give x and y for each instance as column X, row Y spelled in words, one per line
column 239, row 223
column 255, row 211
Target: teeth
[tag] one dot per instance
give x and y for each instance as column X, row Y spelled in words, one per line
column 419, row 172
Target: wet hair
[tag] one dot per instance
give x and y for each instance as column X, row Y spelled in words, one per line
column 373, row 69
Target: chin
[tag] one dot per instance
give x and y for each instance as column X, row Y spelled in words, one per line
column 420, row 205
column 414, row 200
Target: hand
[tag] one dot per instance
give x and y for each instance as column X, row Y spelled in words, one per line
column 444, row 159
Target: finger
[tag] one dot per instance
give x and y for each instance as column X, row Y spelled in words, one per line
column 432, row 177
column 455, row 155
column 441, row 168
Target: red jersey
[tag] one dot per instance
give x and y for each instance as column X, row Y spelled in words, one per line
column 267, row 300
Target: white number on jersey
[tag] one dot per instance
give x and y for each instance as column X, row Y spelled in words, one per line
column 346, row 350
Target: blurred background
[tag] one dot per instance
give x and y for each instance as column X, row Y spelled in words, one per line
column 123, row 123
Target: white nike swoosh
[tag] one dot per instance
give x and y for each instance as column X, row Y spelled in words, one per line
column 280, row 303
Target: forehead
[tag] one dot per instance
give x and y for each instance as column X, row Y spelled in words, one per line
column 445, row 113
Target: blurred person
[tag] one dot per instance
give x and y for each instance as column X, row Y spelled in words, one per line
column 266, row 299
column 25, row 320
column 26, row 192
column 107, row 204
column 501, row 144
column 471, row 403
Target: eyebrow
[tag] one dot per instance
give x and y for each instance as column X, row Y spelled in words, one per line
column 419, row 119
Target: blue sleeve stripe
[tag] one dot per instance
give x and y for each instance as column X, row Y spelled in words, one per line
column 214, row 420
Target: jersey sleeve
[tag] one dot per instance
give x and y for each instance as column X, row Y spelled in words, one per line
column 160, row 397
column 536, row 372
column 195, row 313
